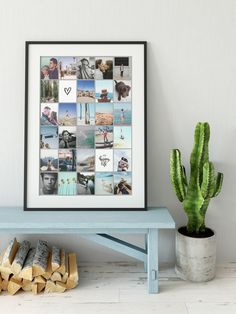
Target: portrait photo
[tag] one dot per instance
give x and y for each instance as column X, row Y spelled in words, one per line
column 67, row 136
column 122, row 160
column 85, row 183
column 85, row 68
column 49, row 68
column 104, row 68
column 48, row 183
column 49, row 114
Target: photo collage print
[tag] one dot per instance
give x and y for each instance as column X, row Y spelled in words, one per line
column 85, row 125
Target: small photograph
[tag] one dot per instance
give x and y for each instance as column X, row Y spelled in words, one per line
column 85, row 160
column 122, row 114
column 49, row 160
column 48, row 137
column 67, row 159
column 85, row 91
column 85, row 183
column 122, row 69
column 48, row 183
column 67, row 183
column 104, row 160
column 104, row 91
column 104, row 183
column 122, row 183
column 86, row 114
column 67, row 137
column 49, row 68
column 67, row 91
column 104, row 136
column 85, row 137
column 104, row 68
column 49, row 114
column 67, row 68
column 122, row 137
column 49, row 91
column 85, row 68
column 122, row 91
column 122, row 160
column 67, row 114
column 104, row 114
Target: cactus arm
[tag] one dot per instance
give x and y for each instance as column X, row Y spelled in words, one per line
column 203, row 213
column 218, row 185
column 185, row 180
column 176, row 174
column 204, row 157
column 208, row 181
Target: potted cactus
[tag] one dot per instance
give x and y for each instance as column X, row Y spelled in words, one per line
column 195, row 243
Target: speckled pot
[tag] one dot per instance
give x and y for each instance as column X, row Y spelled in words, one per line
column 196, row 257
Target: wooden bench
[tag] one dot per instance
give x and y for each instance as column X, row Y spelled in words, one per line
column 98, row 226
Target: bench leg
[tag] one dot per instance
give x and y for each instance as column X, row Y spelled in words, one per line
column 145, row 261
column 152, row 260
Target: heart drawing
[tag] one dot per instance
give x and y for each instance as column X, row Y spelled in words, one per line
column 67, row 90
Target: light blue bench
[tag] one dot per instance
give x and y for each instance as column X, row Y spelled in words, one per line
column 97, row 226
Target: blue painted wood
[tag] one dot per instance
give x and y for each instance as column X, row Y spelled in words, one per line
column 17, row 221
column 90, row 223
column 118, row 245
column 153, row 261
column 146, row 248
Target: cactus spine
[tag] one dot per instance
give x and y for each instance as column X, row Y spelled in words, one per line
column 203, row 184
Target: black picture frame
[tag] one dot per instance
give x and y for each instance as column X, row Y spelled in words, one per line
column 28, row 45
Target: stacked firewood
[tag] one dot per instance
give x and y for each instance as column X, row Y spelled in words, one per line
column 37, row 269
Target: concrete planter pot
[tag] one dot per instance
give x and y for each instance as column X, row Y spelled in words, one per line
column 196, row 257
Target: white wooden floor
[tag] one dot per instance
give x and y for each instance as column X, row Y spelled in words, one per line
column 107, row 288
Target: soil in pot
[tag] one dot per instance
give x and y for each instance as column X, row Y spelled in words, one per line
column 206, row 234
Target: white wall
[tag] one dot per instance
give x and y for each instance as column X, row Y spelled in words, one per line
column 191, row 77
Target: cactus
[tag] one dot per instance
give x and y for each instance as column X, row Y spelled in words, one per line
column 203, row 183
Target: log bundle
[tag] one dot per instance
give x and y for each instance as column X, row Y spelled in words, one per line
column 37, row 269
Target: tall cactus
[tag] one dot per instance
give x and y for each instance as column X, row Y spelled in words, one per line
column 203, row 184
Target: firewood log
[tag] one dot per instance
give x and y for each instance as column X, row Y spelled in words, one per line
column 73, row 278
column 50, row 286
column 48, row 272
column 66, row 274
column 62, row 268
column 56, row 258
column 0, row 283
column 40, row 258
column 5, row 276
column 13, row 286
column 41, row 286
column 5, row 285
column 27, row 285
column 20, row 257
column 60, row 286
column 27, row 270
column 39, row 279
column 56, row 276
column 10, row 253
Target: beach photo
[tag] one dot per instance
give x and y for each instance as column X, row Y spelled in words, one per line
column 122, row 113
column 103, row 68
column 49, row 114
column 49, row 160
column 67, row 114
column 85, row 137
column 67, row 68
column 49, row 91
column 85, row 68
column 67, row 136
column 67, row 159
column 104, row 114
column 85, row 114
column 122, row 91
column 122, row 69
column 122, row 160
column 104, row 91
column 67, row 183
column 123, row 183
column 104, row 137
column 104, row 183
column 104, row 160
column 49, row 137
column 49, row 68
column 122, row 137
column 85, row 183
column 85, row 91
column 48, row 183
column 85, row 160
